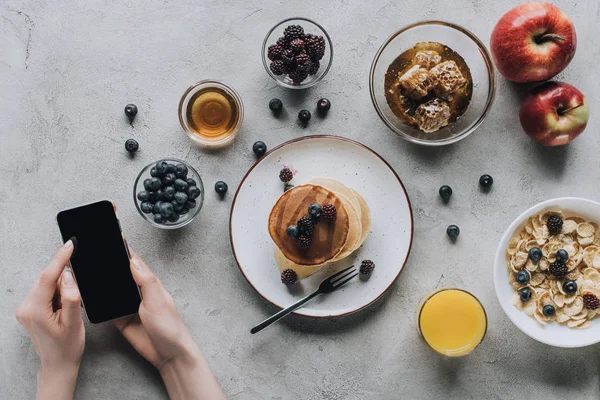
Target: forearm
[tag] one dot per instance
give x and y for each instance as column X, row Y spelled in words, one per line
column 190, row 377
column 56, row 383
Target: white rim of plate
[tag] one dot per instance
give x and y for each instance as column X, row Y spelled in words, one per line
column 289, row 142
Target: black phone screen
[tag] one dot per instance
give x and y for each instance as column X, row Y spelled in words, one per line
column 100, row 261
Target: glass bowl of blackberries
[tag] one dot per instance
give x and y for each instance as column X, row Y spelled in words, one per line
column 297, row 53
column 168, row 193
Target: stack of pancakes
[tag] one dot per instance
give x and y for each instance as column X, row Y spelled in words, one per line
column 331, row 240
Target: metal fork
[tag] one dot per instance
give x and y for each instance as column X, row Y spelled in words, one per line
column 331, row 284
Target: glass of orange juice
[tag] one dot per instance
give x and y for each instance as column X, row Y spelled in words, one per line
column 452, row 321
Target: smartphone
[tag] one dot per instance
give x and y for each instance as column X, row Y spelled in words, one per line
column 100, row 261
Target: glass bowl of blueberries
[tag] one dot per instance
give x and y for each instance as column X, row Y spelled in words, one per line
column 168, row 193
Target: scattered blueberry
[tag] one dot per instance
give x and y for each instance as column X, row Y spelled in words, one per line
column 143, row 195
column 180, row 197
column 323, row 105
column 287, row 187
column 131, row 111
column 453, row 231
column 293, row 231
column 193, row 192
column 191, row 182
column 221, row 188
column 276, row 105
column 158, row 219
column 259, row 148
column 146, row 207
column 314, row 210
column 304, row 116
column 180, row 185
column 569, row 286
column 525, row 294
column 181, row 171
column 486, row 181
column 535, row 254
column 445, row 193
column 562, row 256
column 548, row 310
column 523, row 277
column 131, row 145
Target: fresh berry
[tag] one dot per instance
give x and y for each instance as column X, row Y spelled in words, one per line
column 193, row 192
column 176, row 206
column 180, row 185
column 171, row 168
column 156, row 207
column 161, row 167
column 297, row 76
column 158, row 218
column 191, row 182
column 303, row 242
column 276, row 67
column 131, row 111
column 548, row 310
column 558, row 269
column 314, row 210
column 259, row 148
column 190, row 204
column 306, row 225
column 275, row 51
column 289, row 277
column 168, row 179
column 562, row 256
column 282, row 41
column 152, row 184
column 315, row 47
column 297, row 45
column 445, row 193
column 181, row 171
column 329, row 212
column 146, row 207
column 221, row 188
column 275, row 105
column 143, row 195
column 168, row 193
column 590, row 301
column 535, row 254
column 154, row 172
column 303, row 62
column 173, row 217
column 525, row 294
column 287, row 187
column 314, row 67
column 184, row 210
column 453, row 231
column 304, row 116
column 181, row 197
column 166, row 210
column 523, row 277
column 293, row 231
column 486, row 181
column 293, row 32
column 286, row 175
column 555, row 224
column 323, row 105
column 366, row 267
column 288, row 57
column 569, row 286
column 131, row 145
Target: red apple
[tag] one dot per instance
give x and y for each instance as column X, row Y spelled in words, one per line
column 554, row 113
column 533, row 42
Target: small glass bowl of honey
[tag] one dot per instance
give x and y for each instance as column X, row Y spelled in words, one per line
column 211, row 113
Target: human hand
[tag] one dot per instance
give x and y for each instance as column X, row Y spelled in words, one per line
column 51, row 315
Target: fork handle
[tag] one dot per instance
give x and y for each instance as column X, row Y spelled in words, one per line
column 284, row 312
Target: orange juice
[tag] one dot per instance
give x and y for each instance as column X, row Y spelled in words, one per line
column 452, row 322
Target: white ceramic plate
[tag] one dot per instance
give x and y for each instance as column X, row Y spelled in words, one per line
column 552, row 333
column 351, row 163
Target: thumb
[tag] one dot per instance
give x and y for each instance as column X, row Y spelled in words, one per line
column 152, row 290
column 70, row 299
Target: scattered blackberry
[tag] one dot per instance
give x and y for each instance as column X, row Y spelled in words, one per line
column 366, row 267
column 276, row 67
column 288, row 57
column 286, row 175
column 298, row 76
column 558, row 269
column 329, row 212
column 555, row 224
column 293, row 32
column 303, row 62
column 304, row 242
column 297, row 45
column 314, row 67
column 275, row 51
column 282, row 42
column 315, row 47
column 306, row 225
column 590, row 301
column 289, row 277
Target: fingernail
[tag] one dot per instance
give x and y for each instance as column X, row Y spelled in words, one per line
column 67, row 278
column 137, row 263
column 69, row 244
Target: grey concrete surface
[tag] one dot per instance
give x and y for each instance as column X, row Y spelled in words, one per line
column 67, row 69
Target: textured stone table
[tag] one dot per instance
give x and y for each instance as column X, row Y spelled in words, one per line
column 67, row 69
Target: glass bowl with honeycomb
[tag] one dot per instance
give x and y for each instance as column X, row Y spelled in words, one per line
column 432, row 83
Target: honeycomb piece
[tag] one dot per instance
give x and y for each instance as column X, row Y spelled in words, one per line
column 432, row 115
column 416, row 82
column 447, row 77
column 427, row 59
